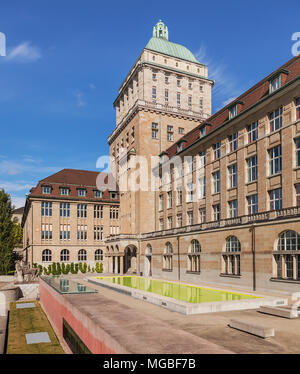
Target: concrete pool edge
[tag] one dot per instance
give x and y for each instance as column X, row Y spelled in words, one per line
column 192, row 308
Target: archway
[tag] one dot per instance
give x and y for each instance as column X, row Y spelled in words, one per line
column 130, row 260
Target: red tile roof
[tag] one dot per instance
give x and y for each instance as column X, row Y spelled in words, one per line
column 74, row 180
column 249, row 98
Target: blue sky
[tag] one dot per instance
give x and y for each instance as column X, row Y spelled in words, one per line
column 67, row 58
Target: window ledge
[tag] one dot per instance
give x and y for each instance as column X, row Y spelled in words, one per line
column 193, row 272
column 274, row 175
column 229, row 275
column 285, row 280
column 168, row 270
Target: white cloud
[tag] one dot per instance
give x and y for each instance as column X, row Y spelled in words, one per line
column 24, row 52
column 18, row 202
column 226, row 86
column 226, row 102
column 92, row 86
column 15, row 186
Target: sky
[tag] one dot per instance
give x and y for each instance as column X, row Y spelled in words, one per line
column 65, row 61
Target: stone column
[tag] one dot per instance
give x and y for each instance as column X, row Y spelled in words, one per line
column 121, row 264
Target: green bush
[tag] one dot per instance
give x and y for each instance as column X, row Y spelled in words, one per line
column 99, row 267
column 48, row 272
column 83, row 267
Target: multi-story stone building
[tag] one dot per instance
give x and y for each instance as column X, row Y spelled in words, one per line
column 166, row 94
column 67, row 219
column 229, row 213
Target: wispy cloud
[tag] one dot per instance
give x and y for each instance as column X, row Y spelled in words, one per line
column 17, row 201
column 226, row 102
column 226, row 86
column 25, row 165
column 24, row 52
column 16, row 186
column 79, row 96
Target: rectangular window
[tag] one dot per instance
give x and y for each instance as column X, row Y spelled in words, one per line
column 81, row 210
column 190, row 101
column 232, row 176
column 252, row 131
column 275, row 163
column 233, row 142
column 297, row 105
column 81, row 232
column 216, row 212
column 202, row 215
column 97, row 194
column 202, row 187
column 190, row 85
column 275, row 119
column 166, row 79
column 180, row 130
column 252, row 204
column 98, row 211
column 189, row 193
column 297, row 146
column 201, row 88
column 166, row 96
column 232, row 111
column 114, row 212
column 154, row 76
column 252, row 169
column 190, row 217
column 98, row 233
column 81, row 192
column 154, row 130
column 169, row 196
column 113, row 195
column 275, row 84
column 216, row 181
column 170, row 133
column 161, row 224
column 170, row 222
column 154, row 94
column 46, row 209
column 201, row 103
column 178, row 98
column 202, row 159
column 179, row 195
column 46, row 231
column 297, row 188
column 217, row 150
column 275, row 199
column 202, row 132
column 46, row 190
column 233, row 208
column 64, row 191
column 178, row 82
column 179, row 220
column 64, row 209
column 64, row 233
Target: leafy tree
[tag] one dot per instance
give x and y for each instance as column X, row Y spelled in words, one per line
column 10, row 233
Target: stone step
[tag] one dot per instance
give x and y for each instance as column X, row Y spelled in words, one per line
column 279, row 312
column 252, row 328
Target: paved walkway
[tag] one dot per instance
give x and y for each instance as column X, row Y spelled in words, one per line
column 146, row 328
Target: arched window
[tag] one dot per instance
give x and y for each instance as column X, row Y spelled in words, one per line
column 46, row 255
column 65, row 255
column 82, row 255
column 99, row 255
column 168, row 257
column 194, row 257
column 232, row 257
column 287, row 256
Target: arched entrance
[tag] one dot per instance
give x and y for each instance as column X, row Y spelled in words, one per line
column 130, row 260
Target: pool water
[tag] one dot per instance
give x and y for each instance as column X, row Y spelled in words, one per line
column 66, row 286
column 183, row 292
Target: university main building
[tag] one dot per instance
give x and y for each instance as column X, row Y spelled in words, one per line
column 225, row 208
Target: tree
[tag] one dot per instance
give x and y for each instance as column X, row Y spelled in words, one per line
column 10, row 233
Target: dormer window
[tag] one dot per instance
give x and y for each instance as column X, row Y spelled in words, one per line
column 97, row 194
column 202, row 132
column 275, row 84
column 64, row 191
column 233, row 111
column 46, row 190
column 81, row 192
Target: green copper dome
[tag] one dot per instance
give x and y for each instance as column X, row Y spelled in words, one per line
column 160, row 43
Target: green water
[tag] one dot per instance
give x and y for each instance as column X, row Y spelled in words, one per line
column 191, row 294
